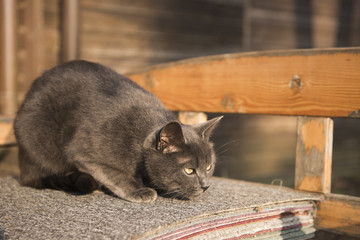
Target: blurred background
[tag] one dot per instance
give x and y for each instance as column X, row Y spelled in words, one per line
column 129, row 35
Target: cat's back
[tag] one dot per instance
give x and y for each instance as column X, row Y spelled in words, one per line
column 80, row 90
column 83, row 77
column 83, row 82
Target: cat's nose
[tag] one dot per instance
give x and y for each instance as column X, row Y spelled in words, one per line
column 204, row 188
column 204, row 183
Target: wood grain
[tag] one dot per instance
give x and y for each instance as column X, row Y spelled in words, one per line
column 339, row 213
column 38, row 41
column 314, row 154
column 8, row 57
column 70, row 29
column 300, row 82
column 128, row 33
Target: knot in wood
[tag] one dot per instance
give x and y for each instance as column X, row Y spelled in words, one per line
column 228, row 102
column 149, row 81
column 295, row 83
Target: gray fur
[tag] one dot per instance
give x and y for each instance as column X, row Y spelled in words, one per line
column 83, row 127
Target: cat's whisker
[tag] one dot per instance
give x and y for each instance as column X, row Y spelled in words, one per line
column 227, row 146
column 235, row 141
column 222, row 152
column 224, row 157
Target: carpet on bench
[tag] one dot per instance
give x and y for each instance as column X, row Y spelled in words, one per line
column 230, row 209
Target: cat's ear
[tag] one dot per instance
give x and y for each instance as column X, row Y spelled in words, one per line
column 171, row 138
column 205, row 129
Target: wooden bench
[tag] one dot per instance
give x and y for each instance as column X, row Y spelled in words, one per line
column 315, row 85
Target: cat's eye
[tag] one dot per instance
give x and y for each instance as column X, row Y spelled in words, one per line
column 209, row 167
column 189, row 171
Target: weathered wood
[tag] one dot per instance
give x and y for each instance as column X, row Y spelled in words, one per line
column 8, row 57
column 38, row 41
column 314, row 154
column 190, row 118
column 6, row 131
column 301, row 82
column 31, row 46
column 266, row 18
column 70, row 36
column 339, row 213
column 150, row 31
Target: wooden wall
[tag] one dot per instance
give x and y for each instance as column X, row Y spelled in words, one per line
column 128, row 35
column 284, row 24
column 272, row 25
column 38, row 40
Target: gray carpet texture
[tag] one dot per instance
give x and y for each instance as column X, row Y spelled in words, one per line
column 230, row 209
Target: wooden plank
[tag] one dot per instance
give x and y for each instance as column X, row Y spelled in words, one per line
column 190, row 118
column 30, row 47
column 151, row 31
column 246, row 26
column 314, row 154
column 171, row 9
column 7, row 136
column 339, row 213
column 8, row 57
column 70, row 36
column 300, row 82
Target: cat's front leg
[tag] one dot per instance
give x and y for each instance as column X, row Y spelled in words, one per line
column 144, row 194
column 132, row 191
column 121, row 184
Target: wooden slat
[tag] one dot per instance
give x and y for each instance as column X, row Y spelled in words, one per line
column 6, row 131
column 33, row 55
column 339, row 213
column 300, row 82
column 70, row 36
column 190, row 118
column 150, row 31
column 7, row 57
column 314, row 154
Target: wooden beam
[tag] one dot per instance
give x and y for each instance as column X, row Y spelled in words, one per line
column 31, row 39
column 70, row 35
column 7, row 136
column 339, row 213
column 8, row 57
column 246, row 25
column 314, row 154
column 190, row 118
column 299, row 82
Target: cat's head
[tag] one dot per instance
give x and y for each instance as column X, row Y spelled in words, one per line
column 180, row 159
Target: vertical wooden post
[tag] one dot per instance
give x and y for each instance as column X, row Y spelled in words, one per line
column 246, row 39
column 8, row 57
column 189, row 118
column 70, row 31
column 33, row 64
column 314, row 154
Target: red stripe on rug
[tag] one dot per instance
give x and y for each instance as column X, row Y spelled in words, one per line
column 238, row 224
column 194, row 230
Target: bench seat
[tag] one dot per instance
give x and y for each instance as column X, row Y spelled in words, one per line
column 230, row 209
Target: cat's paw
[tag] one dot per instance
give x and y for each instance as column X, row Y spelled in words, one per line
column 145, row 195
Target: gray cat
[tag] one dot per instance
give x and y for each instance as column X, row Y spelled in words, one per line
column 83, row 127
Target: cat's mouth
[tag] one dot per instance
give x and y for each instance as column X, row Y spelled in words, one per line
column 176, row 190
column 180, row 194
